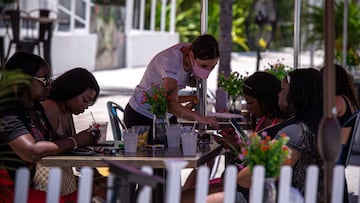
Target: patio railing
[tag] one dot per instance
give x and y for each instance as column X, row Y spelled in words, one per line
column 173, row 186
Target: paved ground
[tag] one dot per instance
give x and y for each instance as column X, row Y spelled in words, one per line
column 116, row 85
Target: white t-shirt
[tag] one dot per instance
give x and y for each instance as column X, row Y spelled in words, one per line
column 166, row 64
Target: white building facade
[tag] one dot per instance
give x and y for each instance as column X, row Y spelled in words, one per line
column 99, row 37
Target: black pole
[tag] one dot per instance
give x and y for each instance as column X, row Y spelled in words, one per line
column 258, row 57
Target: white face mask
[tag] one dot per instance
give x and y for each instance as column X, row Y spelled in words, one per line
column 198, row 71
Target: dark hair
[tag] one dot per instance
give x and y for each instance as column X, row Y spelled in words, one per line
column 72, row 83
column 205, row 47
column 306, row 96
column 265, row 88
column 345, row 84
column 26, row 62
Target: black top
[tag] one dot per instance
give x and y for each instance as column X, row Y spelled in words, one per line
column 273, row 130
column 342, row 119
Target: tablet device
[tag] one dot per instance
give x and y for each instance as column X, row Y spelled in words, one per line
column 83, row 151
column 238, row 129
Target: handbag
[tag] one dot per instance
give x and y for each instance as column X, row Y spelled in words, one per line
column 68, row 179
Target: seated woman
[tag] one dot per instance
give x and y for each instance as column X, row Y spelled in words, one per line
column 308, row 110
column 346, row 106
column 261, row 92
column 25, row 130
column 71, row 93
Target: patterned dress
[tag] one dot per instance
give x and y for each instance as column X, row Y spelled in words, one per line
column 304, row 141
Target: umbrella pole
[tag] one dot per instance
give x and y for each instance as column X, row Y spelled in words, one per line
column 329, row 128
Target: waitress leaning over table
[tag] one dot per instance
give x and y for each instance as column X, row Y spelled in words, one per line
column 174, row 68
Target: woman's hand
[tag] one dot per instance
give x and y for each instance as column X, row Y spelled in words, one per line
column 229, row 139
column 211, row 121
column 193, row 101
column 87, row 137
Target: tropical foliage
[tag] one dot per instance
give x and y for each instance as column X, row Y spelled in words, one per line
column 314, row 16
column 188, row 20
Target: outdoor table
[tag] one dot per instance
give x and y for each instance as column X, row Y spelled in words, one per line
column 151, row 158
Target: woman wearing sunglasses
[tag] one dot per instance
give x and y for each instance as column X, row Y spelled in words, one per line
column 25, row 130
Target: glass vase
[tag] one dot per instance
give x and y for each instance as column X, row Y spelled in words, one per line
column 269, row 191
column 232, row 104
column 159, row 129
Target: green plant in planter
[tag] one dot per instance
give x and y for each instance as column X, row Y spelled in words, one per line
column 279, row 69
column 232, row 84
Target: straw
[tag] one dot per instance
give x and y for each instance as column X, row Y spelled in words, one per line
column 193, row 127
column 180, row 119
column 92, row 115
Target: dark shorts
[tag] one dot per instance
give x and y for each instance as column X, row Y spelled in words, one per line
column 132, row 117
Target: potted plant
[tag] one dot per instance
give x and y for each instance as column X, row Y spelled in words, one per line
column 261, row 150
column 156, row 98
column 232, row 84
column 279, row 69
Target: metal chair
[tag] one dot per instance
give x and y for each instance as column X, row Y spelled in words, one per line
column 354, row 121
column 17, row 18
column 124, row 177
column 113, row 110
column 347, row 150
column 44, row 30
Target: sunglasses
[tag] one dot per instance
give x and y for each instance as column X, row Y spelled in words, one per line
column 46, row 81
column 247, row 86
